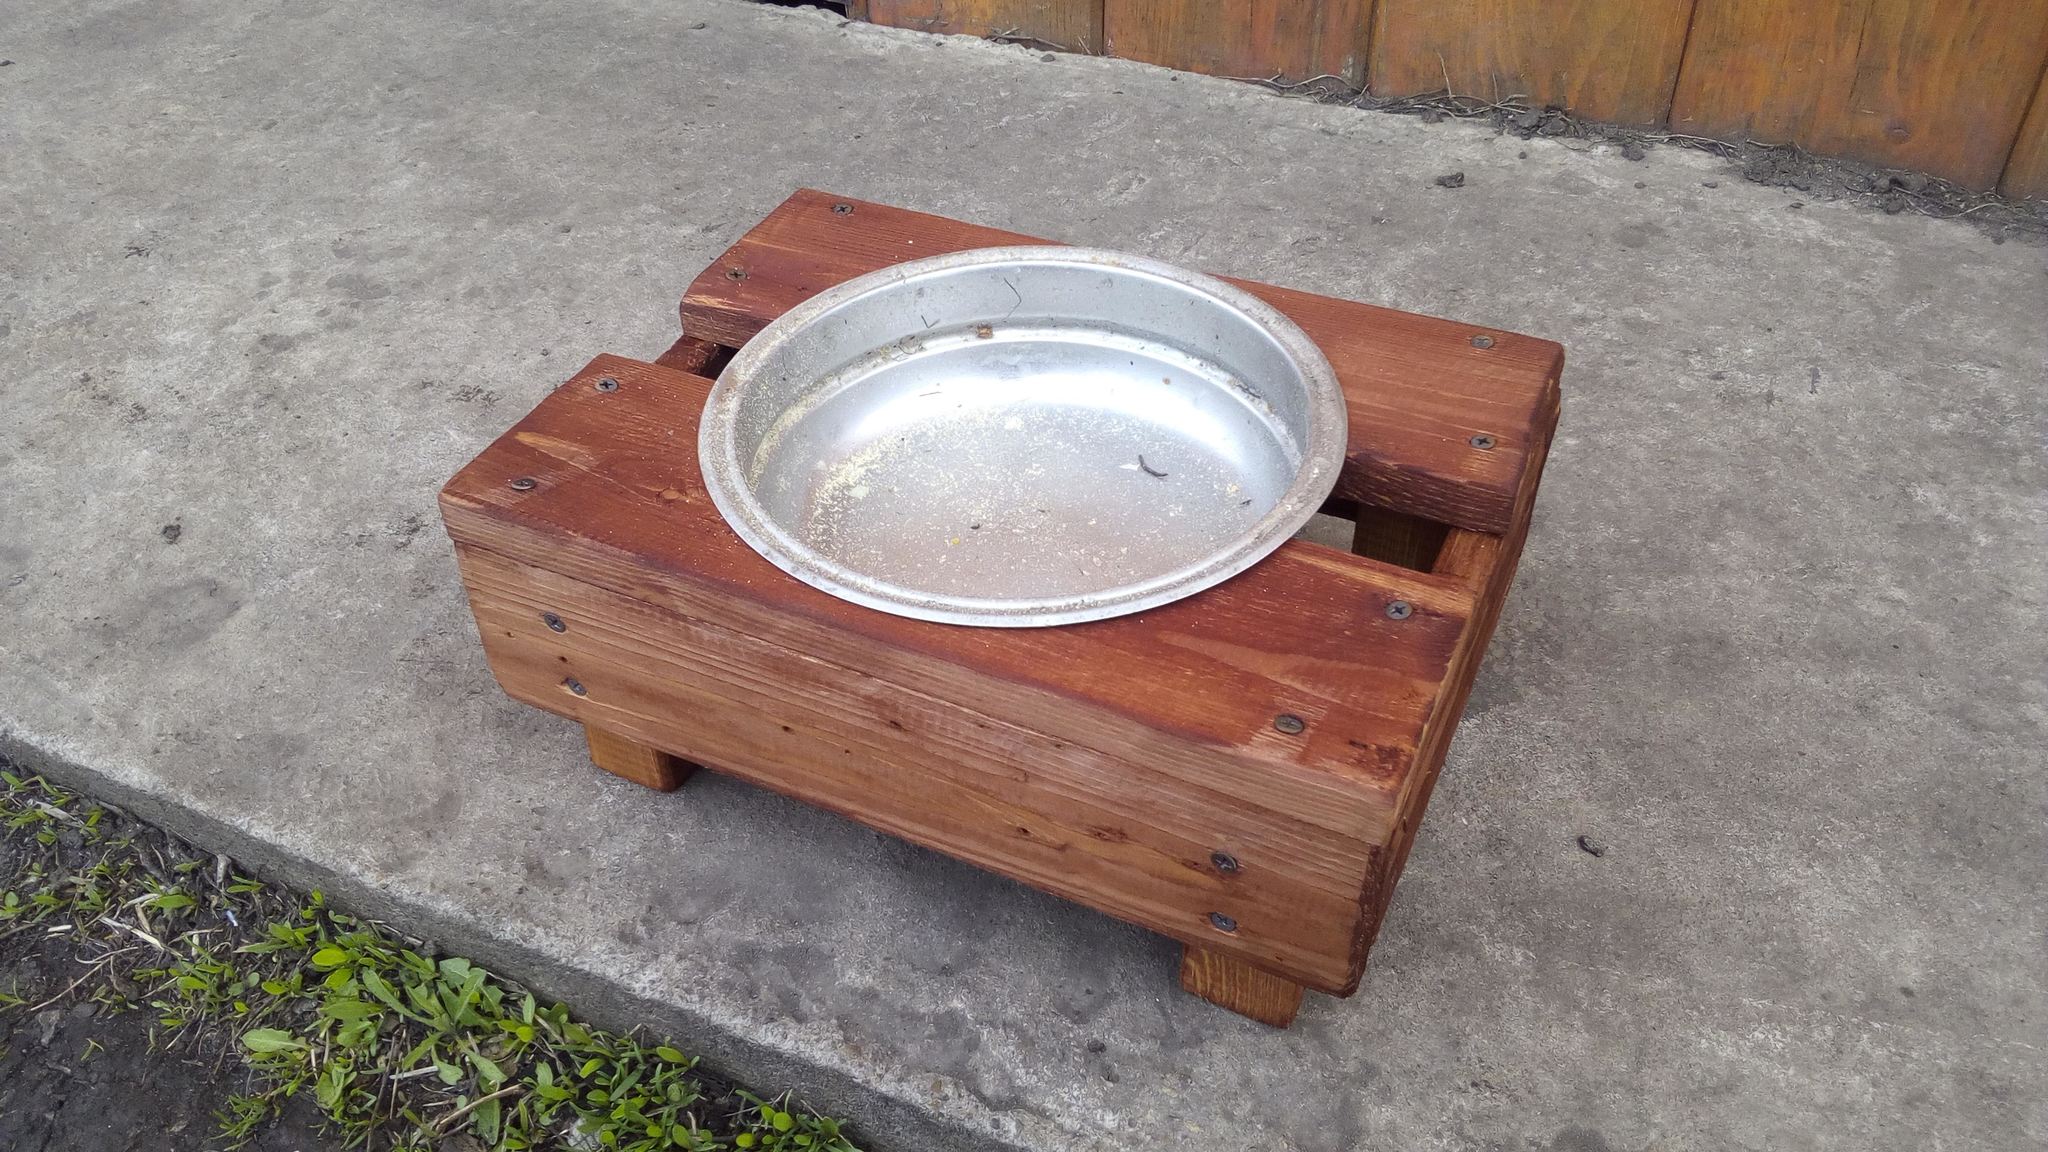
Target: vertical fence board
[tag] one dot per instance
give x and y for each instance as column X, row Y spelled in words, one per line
column 1075, row 25
column 1924, row 84
column 1292, row 39
column 2026, row 174
column 1605, row 59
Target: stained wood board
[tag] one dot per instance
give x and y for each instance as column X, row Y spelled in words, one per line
column 2026, row 172
column 1603, row 59
column 1941, row 88
column 1253, row 39
column 1420, row 390
column 1071, row 25
column 1148, row 742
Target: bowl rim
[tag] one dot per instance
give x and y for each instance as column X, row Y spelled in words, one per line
column 725, row 475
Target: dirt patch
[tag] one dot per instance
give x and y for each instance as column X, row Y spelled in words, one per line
column 82, row 1077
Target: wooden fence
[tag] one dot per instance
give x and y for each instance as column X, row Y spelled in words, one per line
column 1951, row 87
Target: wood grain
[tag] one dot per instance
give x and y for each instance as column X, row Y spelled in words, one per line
column 1419, row 389
column 1231, row 983
column 1103, row 761
column 1486, row 565
column 1937, row 87
column 697, row 357
column 1071, row 25
column 2026, row 172
column 1396, row 538
column 1604, row 59
column 1253, row 39
column 636, row 762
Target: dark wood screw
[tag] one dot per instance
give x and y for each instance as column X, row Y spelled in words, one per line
column 735, row 273
column 607, row 385
column 1223, row 861
column 573, row 685
column 1482, row 341
column 553, row 622
column 1222, row 923
column 1483, row 442
column 524, row 484
column 1400, row 610
column 843, row 209
column 1289, row 723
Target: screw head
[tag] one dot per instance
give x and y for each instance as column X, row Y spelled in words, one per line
column 843, row 209
column 1482, row 341
column 573, row 684
column 524, row 484
column 553, row 622
column 607, row 385
column 1399, row 610
column 1222, row 923
column 1289, row 723
column 735, row 273
column 1483, row 442
column 1224, row 861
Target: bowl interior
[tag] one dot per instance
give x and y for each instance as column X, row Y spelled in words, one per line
column 1019, row 434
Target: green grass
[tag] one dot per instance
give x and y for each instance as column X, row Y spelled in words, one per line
column 397, row 1047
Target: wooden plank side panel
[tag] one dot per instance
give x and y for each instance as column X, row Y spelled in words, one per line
column 1418, row 388
column 1303, row 632
column 1250, row 39
column 1190, row 689
column 1073, row 821
column 1072, row 25
column 1486, row 564
column 697, row 357
column 2026, row 172
column 1605, row 59
column 1941, row 88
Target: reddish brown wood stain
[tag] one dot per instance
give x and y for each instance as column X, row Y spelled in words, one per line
column 1419, row 388
column 1253, row 39
column 1113, row 763
column 1938, row 87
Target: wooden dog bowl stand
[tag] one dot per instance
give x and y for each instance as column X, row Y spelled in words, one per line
column 1242, row 770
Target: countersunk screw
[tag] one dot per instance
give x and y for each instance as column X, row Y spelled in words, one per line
column 573, row 685
column 607, row 385
column 1399, row 610
column 553, row 622
column 1223, row 861
column 1289, row 723
column 735, row 273
column 1482, row 341
column 843, row 209
column 1483, row 442
column 524, row 484
column 1222, row 923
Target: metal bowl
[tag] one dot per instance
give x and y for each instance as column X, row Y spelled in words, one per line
column 1024, row 436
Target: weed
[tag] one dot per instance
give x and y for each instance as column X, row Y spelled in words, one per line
column 392, row 1042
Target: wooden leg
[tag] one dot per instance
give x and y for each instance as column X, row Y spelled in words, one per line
column 636, row 762
column 1236, row 985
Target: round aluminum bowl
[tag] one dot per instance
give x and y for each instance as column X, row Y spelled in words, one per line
column 1015, row 437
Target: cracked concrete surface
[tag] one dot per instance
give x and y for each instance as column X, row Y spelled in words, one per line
column 271, row 272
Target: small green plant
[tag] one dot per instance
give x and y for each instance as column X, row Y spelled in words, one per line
column 772, row 1127
column 391, row 1042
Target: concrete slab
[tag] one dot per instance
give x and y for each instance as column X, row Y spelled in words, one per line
column 270, row 272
